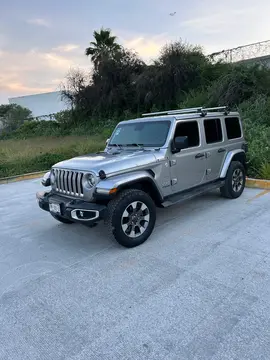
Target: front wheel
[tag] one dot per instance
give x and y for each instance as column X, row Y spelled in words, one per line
column 235, row 181
column 131, row 217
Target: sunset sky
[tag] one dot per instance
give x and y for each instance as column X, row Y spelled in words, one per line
column 40, row 41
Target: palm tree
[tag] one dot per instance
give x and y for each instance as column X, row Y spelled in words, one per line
column 104, row 46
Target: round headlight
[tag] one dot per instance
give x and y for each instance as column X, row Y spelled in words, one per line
column 46, row 180
column 91, row 181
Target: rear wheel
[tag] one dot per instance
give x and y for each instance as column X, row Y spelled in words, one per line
column 131, row 217
column 235, row 181
column 61, row 219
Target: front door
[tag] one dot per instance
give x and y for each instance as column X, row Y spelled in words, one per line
column 188, row 166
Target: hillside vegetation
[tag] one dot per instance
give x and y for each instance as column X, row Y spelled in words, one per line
column 122, row 86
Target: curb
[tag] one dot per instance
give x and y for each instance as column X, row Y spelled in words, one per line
column 250, row 183
column 11, row 179
column 258, row 184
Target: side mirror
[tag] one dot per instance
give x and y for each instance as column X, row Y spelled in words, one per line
column 107, row 141
column 180, row 143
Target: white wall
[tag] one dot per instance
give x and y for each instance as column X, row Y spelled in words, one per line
column 261, row 60
column 41, row 105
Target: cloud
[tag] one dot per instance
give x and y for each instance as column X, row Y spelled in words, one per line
column 55, row 61
column 148, row 47
column 18, row 87
column 215, row 22
column 35, row 71
column 227, row 25
column 66, row 48
column 39, row 22
column 3, row 40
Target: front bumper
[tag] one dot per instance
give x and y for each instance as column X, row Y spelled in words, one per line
column 74, row 210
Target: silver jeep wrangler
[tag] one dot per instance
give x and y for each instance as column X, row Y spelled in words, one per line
column 158, row 160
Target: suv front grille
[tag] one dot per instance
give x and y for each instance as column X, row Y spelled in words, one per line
column 68, row 182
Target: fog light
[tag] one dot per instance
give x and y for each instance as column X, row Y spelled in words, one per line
column 40, row 195
column 84, row 215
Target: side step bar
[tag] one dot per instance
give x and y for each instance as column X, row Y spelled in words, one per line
column 190, row 194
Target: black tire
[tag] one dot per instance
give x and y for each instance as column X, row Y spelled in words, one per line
column 115, row 219
column 61, row 219
column 229, row 190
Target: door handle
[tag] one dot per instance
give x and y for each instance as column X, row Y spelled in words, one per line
column 200, row 155
column 221, row 150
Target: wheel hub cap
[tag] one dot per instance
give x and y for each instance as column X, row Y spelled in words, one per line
column 237, row 180
column 135, row 219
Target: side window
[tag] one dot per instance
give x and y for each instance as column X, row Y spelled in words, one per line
column 213, row 132
column 189, row 129
column 233, row 128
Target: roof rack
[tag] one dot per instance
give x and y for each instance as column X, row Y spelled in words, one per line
column 196, row 110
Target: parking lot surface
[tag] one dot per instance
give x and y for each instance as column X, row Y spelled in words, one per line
column 199, row 288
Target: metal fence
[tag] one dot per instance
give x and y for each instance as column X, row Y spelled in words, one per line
column 259, row 51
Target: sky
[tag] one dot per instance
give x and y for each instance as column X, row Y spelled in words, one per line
column 41, row 40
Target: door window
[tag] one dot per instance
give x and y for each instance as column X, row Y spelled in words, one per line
column 213, row 131
column 233, row 128
column 189, row 129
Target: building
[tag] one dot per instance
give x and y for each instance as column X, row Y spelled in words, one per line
column 43, row 106
column 260, row 60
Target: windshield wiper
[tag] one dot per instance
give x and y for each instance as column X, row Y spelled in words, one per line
column 136, row 145
column 120, row 146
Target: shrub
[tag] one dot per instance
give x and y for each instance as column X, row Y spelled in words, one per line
column 122, row 86
column 195, row 98
column 13, row 116
column 257, row 137
column 35, row 128
column 265, row 171
column 257, row 109
column 64, row 118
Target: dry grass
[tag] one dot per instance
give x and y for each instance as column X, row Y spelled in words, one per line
column 20, row 149
column 21, row 156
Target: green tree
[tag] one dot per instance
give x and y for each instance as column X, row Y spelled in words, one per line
column 166, row 82
column 13, row 116
column 104, row 46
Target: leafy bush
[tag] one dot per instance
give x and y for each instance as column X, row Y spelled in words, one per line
column 13, row 116
column 258, row 146
column 122, row 86
column 239, row 84
column 196, row 98
column 257, row 132
column 265, row 171
column 64, row 118
column 257, row 109
column 34, row 128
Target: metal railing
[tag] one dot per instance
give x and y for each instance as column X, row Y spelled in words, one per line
column 196, row 110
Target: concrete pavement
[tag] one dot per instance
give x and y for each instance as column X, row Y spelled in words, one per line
column 197, row 289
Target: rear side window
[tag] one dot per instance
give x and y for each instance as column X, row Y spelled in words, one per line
column 233, row 128
column 189, row 129
column 213, row 132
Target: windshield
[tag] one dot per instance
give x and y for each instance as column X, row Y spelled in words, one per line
column 146, row 133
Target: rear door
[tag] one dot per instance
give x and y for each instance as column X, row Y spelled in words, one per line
column 215, row 147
